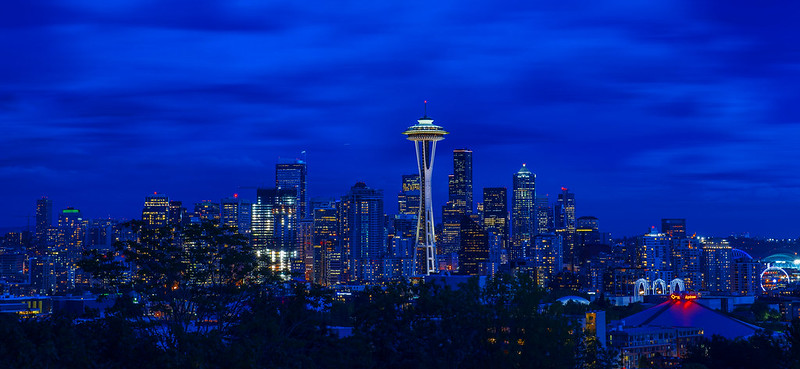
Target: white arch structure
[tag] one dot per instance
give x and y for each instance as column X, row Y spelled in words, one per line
column 656, row 284
column 641, row 287
column 676, row 286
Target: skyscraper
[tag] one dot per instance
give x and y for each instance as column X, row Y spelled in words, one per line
column 44, row 220
column 523, row 212
column 495, row 210
column 717, row 261
column 408, row 198
column 274, row 227
column 425, row 135
column 363, row 235
column 461, row 188
column 237, row 213
column 207, row 209
column 155, row 213
column 674, row 228
column 69, row 247
column 565, row 226
column 544, row 215
column 327, row 251
column 474, row 252
column 655, row 256
column 292, row 174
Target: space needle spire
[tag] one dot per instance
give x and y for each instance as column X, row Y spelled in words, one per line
column 425, row 135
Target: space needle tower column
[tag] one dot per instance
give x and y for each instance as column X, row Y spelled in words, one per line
column 425, row 134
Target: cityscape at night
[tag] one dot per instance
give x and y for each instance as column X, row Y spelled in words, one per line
column 238, row 184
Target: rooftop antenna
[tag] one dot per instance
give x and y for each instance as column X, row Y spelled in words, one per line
column 425, row 115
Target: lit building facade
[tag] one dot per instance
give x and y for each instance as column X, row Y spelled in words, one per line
column 363, row 232
column 474, row 253
column 274, row 228
column 293, row 174
column 495, row 210
column 408, row 198
column 717, row 261
column 523, row 212
column 155, row 213
column 564, row 214
column 236, row 213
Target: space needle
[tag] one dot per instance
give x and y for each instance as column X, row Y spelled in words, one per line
column 425, row 134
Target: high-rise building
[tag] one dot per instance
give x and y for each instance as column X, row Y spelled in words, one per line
column 717, row 261
column 425, row 135
column 544, row 215
column 207, row 210
column 236, row 213
column 565, row 224
column 674, row 228
column 474, row 253
column 44, row 221
column 155, row 213
column 547, row 256
column 69, row 247
column 686, row 261
column 293, row 174
column 363, row 232
column 327, row 251
column 655, row 256
column 495, row 210
column 408, row 198
column 274, row 228
column 746, row 274
column 523, row 212
column 178, row 215
column 461, row 188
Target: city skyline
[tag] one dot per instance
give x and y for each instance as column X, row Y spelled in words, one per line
column 643, row 112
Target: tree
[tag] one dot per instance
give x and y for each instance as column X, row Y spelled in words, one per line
column 177, row 282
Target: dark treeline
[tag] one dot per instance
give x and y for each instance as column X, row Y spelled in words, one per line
column 198, row 298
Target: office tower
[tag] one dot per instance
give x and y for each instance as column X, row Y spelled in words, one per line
column 44, row 221
column 293, row 174
column 408, row 198
column 327, row 252
column 363, row 234
column 686, row 261
column 474, row 252
column 495, row 210
column 69, row 247
column 544, row 215
column 156, row 211
column 451, row 222
column 100, row 234
column 207, row 210
column 655, row 256
column 587, row 232
column 178, row 216
column 746, row 274
column 547, row 256
column 523, row 212
column 565, row 226
column 425, row 135
column 461, row 187
column 717, row 260
column 236, row 213
column 273, row 228
column 304, row 264
column 674, row 228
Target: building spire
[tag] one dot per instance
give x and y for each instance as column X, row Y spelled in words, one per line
column 425, row 111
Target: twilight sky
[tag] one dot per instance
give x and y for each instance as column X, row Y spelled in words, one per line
column 643, row 109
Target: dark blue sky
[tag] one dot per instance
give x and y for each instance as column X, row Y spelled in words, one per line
column 644, row 110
